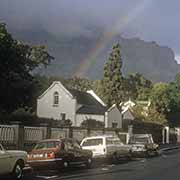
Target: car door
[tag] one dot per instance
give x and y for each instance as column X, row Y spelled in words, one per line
column 4, row 161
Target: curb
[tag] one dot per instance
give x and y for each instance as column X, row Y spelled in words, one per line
column 170, row 148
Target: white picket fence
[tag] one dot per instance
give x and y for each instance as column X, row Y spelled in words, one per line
column 33, row 134
column 7, row 134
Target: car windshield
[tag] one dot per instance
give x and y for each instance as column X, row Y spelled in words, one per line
column 93, row 142
column 113, row 140
column 136, row 140
column 47, row 145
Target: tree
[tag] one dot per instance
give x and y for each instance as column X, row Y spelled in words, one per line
column 18, row 60
column 113, row 79
column 151, row 115
column 137, row 86
column 78, row 83
column 160, row 98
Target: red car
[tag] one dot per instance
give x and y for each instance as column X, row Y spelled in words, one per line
column 58, row 153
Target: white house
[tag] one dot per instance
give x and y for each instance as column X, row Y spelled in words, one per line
column 118, row 118
column 60, row 103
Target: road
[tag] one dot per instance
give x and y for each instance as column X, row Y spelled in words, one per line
column 164, row 167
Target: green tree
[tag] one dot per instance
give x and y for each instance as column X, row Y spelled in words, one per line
column 18, row 60
column 151, row 115
column 137, row 87
column 160, row 98
column 113, row 79
column 81, row 84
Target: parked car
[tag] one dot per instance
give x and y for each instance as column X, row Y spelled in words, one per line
column 106, row 146
column 143, row 145
column 12, row 162
column 58, row 153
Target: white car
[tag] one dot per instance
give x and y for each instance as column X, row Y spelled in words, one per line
column 106, row 146
column 143, row 145
column 12, row 162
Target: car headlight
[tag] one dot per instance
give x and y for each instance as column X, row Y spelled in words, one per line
column 138, row 148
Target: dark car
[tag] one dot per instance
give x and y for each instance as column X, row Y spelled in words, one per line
column 58, row 153
column 143, row 145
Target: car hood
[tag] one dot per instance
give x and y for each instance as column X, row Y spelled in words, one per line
column 17, row 153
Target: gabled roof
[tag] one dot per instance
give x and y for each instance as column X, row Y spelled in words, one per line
column 90, row 102
column 90, row 105
column 123, row 110
column 52, row 85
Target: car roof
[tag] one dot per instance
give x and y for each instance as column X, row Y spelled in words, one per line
column 141, row 135
column 99, row 136
column 57, row 139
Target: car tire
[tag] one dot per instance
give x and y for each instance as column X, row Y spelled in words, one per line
column 18, row 171
column 89, row 163
column 115, row 158
column 150, row 153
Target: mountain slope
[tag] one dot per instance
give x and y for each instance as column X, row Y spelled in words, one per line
column 153, row 61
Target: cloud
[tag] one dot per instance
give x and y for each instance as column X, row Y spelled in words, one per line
column 158, row 22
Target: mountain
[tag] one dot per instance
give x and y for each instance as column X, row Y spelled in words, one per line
column 155, row 62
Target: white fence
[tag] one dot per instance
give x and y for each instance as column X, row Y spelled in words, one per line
column 59, row 132
column 7, row 134
column 33, row 134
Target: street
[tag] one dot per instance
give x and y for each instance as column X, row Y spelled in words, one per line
column 163, row 167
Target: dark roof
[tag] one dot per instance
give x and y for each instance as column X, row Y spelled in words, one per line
column 89, row 104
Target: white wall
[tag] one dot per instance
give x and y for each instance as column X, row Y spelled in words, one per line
column 82, row 117
column 114, row 116
column 67, row 104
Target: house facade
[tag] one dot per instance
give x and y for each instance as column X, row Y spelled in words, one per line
column 60, row 103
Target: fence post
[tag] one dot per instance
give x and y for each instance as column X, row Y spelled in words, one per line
column 19, row 135
column 130, row 130
column 46, row 130
column 71, row 132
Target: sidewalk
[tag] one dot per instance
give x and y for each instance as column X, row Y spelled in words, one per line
column 169, row 147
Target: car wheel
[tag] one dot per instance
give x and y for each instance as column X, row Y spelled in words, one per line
column 18, row 171
column 115, row 158
column 150, row 153
column 89, row 163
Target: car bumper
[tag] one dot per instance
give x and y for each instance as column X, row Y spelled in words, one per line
column 138, row 153
column 50, row 164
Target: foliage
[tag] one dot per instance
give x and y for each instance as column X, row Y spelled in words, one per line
column 18, row 60
column 137, row 87
column 113, row 79
column 92, row 123
column 160, row 97
column 78, row 83
column 150, row 115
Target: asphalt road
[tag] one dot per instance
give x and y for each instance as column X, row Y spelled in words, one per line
column 164, row 167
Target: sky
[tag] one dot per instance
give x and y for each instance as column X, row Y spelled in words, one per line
column 150, row 20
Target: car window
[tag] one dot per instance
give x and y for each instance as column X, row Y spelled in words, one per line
column 139, row 140
column 51, row 144
column 42, row 145
column 113, row 140
column 93, row 142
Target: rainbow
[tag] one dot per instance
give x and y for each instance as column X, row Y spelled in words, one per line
column 107, row 36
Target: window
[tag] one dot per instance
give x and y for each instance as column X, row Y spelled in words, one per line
column 63, row 116
column 114, row 125
column 93, row 142
column 113, row 140
column 42, row 145
column 56, row 99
